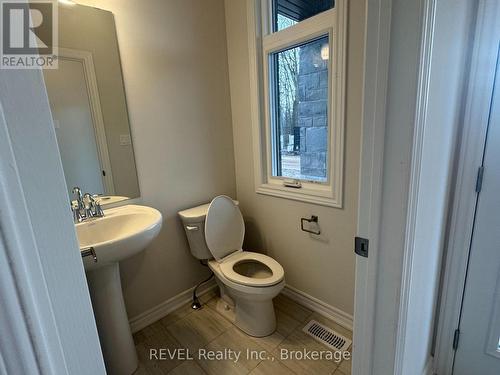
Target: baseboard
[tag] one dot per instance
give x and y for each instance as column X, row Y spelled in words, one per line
column 328, row 311
column 156, row 313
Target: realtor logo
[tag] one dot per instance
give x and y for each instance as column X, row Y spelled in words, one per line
column 29, row 34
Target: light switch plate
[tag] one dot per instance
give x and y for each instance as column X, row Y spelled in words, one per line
column 125, row 140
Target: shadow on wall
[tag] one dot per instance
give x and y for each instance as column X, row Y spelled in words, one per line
column 254, row 241
column 134, row 265
column 253, row 237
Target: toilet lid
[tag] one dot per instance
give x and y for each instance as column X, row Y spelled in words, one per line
column 224, row 227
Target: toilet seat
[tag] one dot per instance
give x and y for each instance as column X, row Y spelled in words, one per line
column 224, row 234
column 227, row 269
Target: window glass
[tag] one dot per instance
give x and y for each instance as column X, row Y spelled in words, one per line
column 299, row 100
column 288, row 12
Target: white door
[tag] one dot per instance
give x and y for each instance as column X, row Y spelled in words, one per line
column 69, row 102
column 478, row 349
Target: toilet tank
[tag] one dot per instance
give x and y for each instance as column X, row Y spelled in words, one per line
column 193, row 221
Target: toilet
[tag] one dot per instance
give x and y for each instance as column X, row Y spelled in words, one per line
column 248, row 281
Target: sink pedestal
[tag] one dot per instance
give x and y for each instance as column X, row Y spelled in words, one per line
column 115, row 336
column 121, row 233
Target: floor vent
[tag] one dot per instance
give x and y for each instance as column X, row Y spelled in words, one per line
column 327, row 336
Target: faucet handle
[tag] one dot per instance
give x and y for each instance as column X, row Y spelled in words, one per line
column 92, row 206
column 77, row 212
column 98, row 208
column 77, row 192
column 77, row 205
column 88, row 202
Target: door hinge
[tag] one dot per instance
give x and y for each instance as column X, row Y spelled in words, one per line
column 456, row 337
column 361, row 246
column 479, row 179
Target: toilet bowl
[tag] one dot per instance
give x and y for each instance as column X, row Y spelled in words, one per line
column 252, row 296
column 251, row 280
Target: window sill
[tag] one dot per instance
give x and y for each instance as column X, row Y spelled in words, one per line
column 321, row 198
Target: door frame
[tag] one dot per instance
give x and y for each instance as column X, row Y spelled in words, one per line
column 46, row 319
column 23, row 290
column 376, row 55
column 482, row 78
column 425, row 212
column 85, row 58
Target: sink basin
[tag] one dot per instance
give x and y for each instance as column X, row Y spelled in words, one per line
column 121, row 233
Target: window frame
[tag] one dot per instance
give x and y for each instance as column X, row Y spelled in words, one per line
column 262, row 43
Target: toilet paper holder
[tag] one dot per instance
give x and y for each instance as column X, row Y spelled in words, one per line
column 313, row 219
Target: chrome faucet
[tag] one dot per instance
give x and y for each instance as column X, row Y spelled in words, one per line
column 85, row 207
column 77, row 205
column 92, row 206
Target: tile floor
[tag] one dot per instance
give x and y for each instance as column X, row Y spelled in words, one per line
column 207, row 330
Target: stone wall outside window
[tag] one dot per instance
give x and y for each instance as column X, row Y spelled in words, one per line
column 313, row 112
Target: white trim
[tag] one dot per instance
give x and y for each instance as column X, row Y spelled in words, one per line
column 480, row 87
column 376, row 67
column 334, row 23
column 255, row 71
column 338, row 316
column 494, row 326
column 417, row 190
column 438, row 119
column 161, row 310
column 86, row 59
column 316, row 26
column 429, row 367
column 42, row 290
column 24, row 348
column 166, row 307
column 304, row 195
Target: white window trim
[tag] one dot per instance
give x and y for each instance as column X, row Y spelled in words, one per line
column 334, row 23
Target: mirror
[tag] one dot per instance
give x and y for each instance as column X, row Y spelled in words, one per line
column 89, row 109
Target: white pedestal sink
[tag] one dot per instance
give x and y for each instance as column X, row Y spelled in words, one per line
column 121, row 233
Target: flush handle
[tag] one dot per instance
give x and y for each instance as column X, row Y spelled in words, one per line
column 192, row 227
column 89, row 251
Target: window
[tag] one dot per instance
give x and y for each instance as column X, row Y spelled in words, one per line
column 299, row 85
column 286, row 13
column 301, row 99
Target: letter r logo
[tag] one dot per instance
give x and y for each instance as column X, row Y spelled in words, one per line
column 27, row 28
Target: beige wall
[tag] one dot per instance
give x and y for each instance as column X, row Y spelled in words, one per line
column 175, row 71
column 322, row 268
